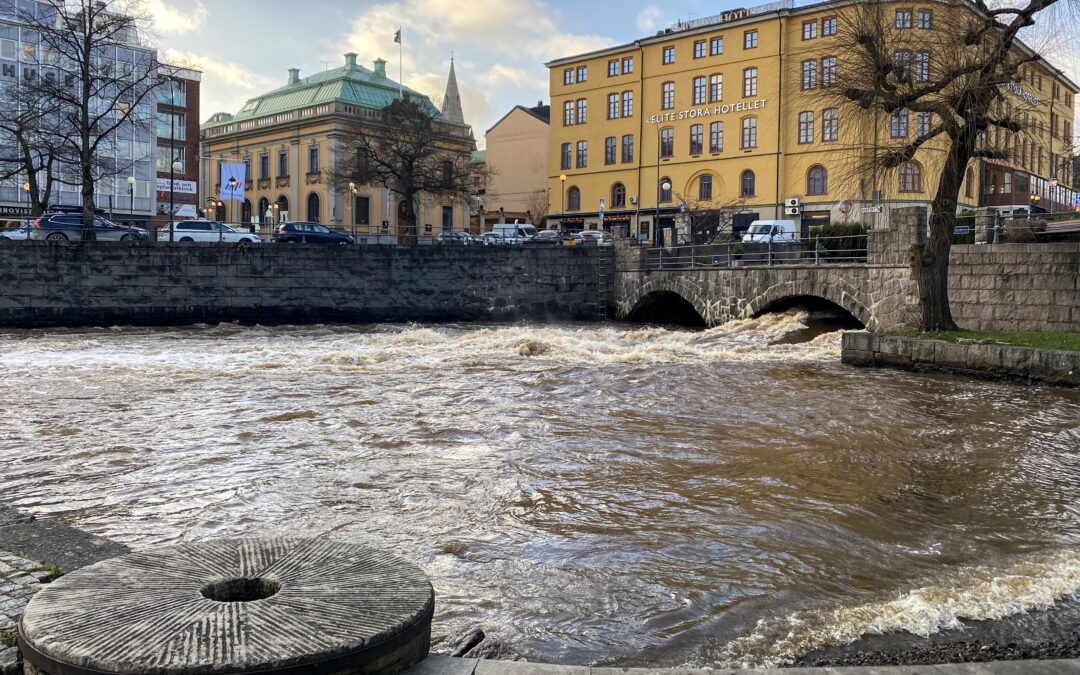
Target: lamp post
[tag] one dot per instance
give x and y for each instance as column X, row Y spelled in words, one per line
column 352, row 208
column 562, row 198
column 131, row 194
column 173, row 168
column 1053, row 189
column 664, row 186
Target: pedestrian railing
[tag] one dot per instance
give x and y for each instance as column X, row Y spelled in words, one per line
column 848, row 250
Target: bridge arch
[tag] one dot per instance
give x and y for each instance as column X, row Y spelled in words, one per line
column 840, row 294
column 679, row 293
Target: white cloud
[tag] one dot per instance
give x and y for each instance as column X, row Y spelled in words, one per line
column 225, row 86
column 650, row 19
column 167, row 18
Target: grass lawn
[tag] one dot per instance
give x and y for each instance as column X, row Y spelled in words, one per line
column 1069, row 342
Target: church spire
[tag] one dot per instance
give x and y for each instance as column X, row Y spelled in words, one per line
column 451, row 107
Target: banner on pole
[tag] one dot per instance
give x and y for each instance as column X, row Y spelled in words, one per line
column 237, row 172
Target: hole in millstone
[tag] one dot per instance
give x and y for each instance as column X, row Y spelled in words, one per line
column 240, row 589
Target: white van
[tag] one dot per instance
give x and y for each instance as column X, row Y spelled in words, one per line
column 514, row 233
column 774, row 230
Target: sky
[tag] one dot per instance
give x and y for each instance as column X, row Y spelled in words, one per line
column 245, row 47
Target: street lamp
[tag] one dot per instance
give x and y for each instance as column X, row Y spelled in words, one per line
column 131, row 193
column 352, row 208
column 562, row 197
column 1053, row 189
column 173, row 168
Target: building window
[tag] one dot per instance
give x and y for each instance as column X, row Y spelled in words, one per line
column 669, row 55
column 568, row 114
column 902, row 66
column 567, row 152
column 830, row 123
column 910, row 177
column 628, row 104
column 582, row 73
column 705, row 189
column 925, row 19
column 749, row 82
column 628, row 65
column 283, row 163
column 749, row 133
column 828, row 26
column 627, row 149
column 582, row 111
column 806, row 127
column 817, row 181
column 618, row 196
column 749, row 39
column 313, row 159
column 809, row 30
column 716, row 137
column 903, row 18
column 746, row 184
column 313, row 208
column 898, row 123
column 362, row 211
column 166, row 155
column 667, row 96
column 716, row 46
column 568, row 76
column 809, row 74
column 613, row 68
column 171, row 125
column 697, row 139
column 573, row 199
column 447, row 218
column 264, row 166
column 828, row 71
column 613, row 106
column 582, row 154
column 699, row 90
column 969, row 184
column 699, row 49
column 665, row 192
column 667, row 142
column 609, row 150
column 922, row 123
column 716, row 88
column 922, row 67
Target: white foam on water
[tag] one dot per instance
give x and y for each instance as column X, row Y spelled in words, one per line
column 975, row 593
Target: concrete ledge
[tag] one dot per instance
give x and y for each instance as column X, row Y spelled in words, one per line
column 991, row 361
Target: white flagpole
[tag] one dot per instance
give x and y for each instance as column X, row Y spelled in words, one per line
column 401, row 77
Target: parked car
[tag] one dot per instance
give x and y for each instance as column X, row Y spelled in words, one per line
column 309, row 233
column 515, row 233
column 20, row 233
column 491, row 239
column 597, row 237
column 204, row 230
column 68, row 226
column 548, row 237
column 463, row 238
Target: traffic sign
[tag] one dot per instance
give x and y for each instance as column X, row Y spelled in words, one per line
column 871, row 209
column 962, row 229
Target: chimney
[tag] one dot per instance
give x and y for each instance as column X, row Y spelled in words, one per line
column 350, row 61
column 294, row 76
column 380, row 68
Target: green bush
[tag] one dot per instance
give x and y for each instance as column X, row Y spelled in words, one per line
column 839, row 240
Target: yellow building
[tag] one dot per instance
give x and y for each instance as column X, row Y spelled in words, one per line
column 729, row 111
column 290, row 138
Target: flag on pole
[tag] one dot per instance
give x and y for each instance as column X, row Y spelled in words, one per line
column 238, row 174
column 397, row 36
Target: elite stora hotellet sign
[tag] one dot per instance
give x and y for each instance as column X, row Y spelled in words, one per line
column 706, row 111
column 733, row 15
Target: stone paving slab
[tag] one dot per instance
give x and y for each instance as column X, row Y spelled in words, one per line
column 9, row 515
column 59, row 544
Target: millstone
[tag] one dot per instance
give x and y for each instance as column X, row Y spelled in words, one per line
column 233, row 606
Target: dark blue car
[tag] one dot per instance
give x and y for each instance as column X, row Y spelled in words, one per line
column 309, row 233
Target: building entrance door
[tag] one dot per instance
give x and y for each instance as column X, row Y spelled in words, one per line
column 665, row 232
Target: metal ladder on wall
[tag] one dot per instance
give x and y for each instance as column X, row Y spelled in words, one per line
column 602, row 285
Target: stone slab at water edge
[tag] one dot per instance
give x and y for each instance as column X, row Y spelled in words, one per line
column 234, row 606
column 982, row 360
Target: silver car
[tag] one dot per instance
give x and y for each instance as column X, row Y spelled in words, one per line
column 68, row 227
column 20, row 233
column 204, row 230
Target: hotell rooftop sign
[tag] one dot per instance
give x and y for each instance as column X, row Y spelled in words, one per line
column 734, row 15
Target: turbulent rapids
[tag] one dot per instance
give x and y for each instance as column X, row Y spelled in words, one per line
column 618, row 494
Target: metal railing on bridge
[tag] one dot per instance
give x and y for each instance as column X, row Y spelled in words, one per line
column 847, row 250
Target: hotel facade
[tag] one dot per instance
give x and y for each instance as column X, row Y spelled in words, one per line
column 730, row 112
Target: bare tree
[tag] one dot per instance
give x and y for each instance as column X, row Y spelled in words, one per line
column 710, row 221
column 28, row 148
column 537, row 204
column 94, row 92
column 408, row 152
column 954, row 79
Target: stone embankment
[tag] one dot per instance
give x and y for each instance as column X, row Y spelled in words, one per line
column 991, row 361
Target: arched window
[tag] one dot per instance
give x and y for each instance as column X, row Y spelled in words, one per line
column 969, row 184
column 705, row 188
column 910, row 177
column 618, row 196
column 747, row 183
column 313, row 208
column 245, row 212
column 665, row 190
column 817, row 180
column 573, row 199
column 264, row 206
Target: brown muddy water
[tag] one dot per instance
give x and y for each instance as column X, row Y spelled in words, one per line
column 589, row 494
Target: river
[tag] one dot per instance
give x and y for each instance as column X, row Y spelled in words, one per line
column 587, row 493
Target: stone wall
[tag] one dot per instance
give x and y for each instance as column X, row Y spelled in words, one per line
column 108, row 283
column 1015, row 286
column 995, row 361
